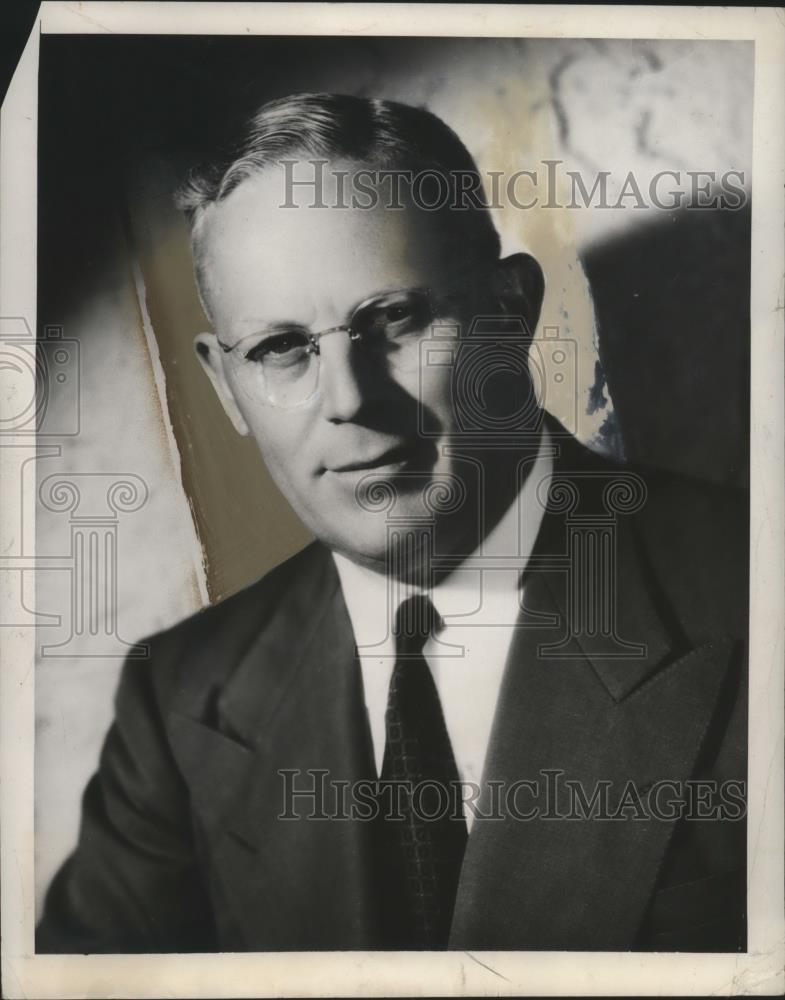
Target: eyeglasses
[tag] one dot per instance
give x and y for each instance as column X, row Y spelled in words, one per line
column 281, row 365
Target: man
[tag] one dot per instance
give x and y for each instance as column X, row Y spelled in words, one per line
column 538, row 654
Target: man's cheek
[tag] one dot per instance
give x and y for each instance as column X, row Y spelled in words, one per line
column 434, row 396
column 276, row 436
column 274, row 455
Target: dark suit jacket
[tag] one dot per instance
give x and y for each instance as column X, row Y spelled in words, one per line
column 180, row 846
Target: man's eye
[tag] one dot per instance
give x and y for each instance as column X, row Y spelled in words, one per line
column 398, row 314
column 279, row 346
column 394, row 319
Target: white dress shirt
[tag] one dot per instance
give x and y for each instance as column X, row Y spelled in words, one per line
column 478, row 607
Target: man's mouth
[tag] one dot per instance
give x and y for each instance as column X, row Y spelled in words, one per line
column 390, row 460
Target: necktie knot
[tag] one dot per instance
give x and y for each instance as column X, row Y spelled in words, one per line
column 415, row 621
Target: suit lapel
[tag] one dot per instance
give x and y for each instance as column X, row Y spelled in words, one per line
column 294, row 705
column 574, row 708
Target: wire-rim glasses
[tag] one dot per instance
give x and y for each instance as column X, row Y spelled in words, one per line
column 281, row 364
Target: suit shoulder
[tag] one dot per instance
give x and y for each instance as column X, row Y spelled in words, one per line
column 203, row 648
column 695, row 536
column 678, row 513
column 690, row 517
column 692, row 538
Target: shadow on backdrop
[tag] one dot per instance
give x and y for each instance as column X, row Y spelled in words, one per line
column 672, row 301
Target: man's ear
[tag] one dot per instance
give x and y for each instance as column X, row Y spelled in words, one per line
column 518, row 286
column 208, row 350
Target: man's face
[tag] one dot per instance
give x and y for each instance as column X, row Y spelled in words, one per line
column 264, row 266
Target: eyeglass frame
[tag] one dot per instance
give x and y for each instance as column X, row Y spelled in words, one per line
column 354, row 335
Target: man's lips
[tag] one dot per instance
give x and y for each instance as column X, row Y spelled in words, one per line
column 398, row 455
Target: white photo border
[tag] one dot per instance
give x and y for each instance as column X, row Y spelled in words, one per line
column 760, row 970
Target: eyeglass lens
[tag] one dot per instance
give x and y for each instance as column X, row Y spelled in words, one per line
column 284, row 365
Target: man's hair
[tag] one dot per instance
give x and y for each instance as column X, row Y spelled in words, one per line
column 377, row 134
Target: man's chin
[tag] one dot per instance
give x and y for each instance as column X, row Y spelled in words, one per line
column 375, row 561
column 382, row 552
column 381, row 525
column 369, row 552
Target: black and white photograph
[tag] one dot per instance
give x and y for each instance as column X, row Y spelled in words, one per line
column 392, row 417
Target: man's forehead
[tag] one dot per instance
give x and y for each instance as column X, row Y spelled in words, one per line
column 261, row 255
column 344, row 199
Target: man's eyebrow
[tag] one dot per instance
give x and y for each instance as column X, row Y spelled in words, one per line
column 261, row 327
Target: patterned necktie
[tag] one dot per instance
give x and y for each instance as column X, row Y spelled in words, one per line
column 425, row 842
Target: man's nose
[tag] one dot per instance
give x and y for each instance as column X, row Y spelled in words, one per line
column 341, row 386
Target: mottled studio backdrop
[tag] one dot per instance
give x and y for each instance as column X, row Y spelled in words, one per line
column 150, row 505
